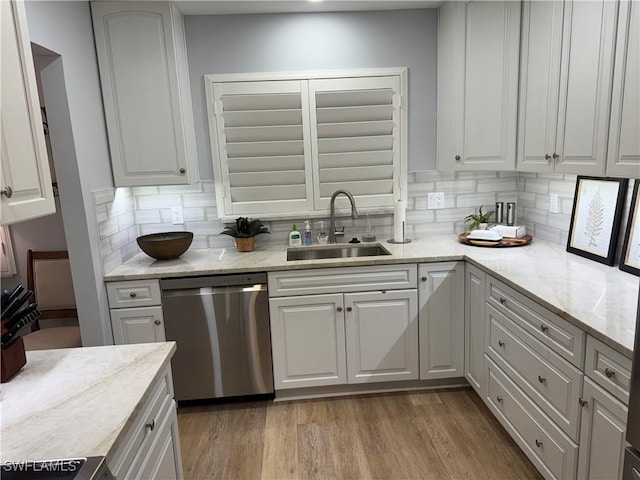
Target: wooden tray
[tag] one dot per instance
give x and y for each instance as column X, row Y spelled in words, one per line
column 505, row 242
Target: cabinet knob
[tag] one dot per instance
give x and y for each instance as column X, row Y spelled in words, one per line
column 157, row 322
column 503, row 300
column 609, row 373
column 541, row 379
column 7, row 191
column 349, row 309
column 133, row 295
column 582, row 402
column 182, row 171
column 556, row 157
column 538, row 443
column 339, row 309
column 424, row 279
column 150, row 425
column 499, row 399
column 501, row 343
column 544, row 328
column 547, row 157
column 457, row 158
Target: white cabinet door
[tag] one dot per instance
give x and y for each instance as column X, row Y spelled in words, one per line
column 474, row 371
column 8, row 263
column 307, row 341
column 137, row 325
column 478, row 61
column 623, row 158
column 382, row 336
column 539, row 84
column 163, row 461
column 145, row 86
column 602, row 434
column 25, row 186
column 441, row 320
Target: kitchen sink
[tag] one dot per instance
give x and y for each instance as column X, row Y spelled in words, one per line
column 336, row 251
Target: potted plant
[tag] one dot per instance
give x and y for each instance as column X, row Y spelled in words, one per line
column 244, row 230
column 478, row 220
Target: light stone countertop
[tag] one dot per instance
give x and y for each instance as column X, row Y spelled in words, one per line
column 601, row 300
column 77, row 402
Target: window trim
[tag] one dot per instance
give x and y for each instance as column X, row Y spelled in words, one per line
column 400, row 184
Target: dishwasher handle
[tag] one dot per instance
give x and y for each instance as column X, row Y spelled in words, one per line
column 235, row 280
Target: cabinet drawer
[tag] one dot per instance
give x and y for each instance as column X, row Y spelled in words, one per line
column 140, row 434
column 134, row 293
column 562, row 336
column 608, row 368
column 553, row 383
column 342, row 280
column 550, row 450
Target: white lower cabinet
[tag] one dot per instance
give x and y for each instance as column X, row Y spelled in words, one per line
column 136, row 311
column 441, row 319
column 151, row 446
column 382, row 336
column 137, row 325
column 307, row 341
column 360, row 327
column 552, row 452
column 474, row 305
column 602, row 435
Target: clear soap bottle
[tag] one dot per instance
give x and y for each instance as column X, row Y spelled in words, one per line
column 323, row 235
column 308, row 234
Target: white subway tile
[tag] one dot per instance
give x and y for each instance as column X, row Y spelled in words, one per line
column 126, row 221
column 153, row 202
column 103, row 196
column 208, row 186
column 452, row 214
column 420, row 216
column 562, row 188
column 457, row 186
column 144, row 191
column 425, row 229
column 148, row 216
column 434, row 175
column 550, row 234
column 475, row 175
column 199, row 200
column 536, row 216
column 476, row 199
column 537, row 185
column 119, row 240
column 559, row 221
column 422, row 188
column 111, row 261
column 101, row 213
column 181, row 189
column 497, row 185
column 108, row 228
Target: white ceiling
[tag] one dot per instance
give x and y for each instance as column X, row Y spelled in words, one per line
column 226, row 7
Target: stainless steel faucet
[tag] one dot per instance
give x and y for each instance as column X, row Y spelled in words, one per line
column 354, row 212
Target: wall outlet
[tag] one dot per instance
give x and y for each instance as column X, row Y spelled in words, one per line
column 435, row 200
column 553, row 203
column 176, row 216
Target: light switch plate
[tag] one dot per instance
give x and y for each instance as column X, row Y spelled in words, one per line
column 553, row 203
column 176, row 216
column 435, row 200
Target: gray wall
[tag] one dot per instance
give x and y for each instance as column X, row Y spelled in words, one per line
column 80, row 150
column 319, row 41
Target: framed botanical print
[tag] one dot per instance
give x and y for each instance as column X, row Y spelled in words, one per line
column 630, row 258
column 596, row 216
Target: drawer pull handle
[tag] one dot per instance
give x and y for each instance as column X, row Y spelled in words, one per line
column 157, row 322
column 133, row 295
column 339, row 309
column 582, row 402
column 538, row 443
column 150, row 425
column 503, row 300
column 501, row 343
column 541, row 379
column 544, row 328
column 499, row 399
column 609, row 373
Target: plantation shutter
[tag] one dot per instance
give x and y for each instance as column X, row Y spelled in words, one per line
column 355, row 125
column 262, row 147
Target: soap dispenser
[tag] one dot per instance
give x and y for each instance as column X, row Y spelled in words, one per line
column 308, row 235
column 295, row 239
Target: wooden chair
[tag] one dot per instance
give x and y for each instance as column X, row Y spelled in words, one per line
column 49, row 277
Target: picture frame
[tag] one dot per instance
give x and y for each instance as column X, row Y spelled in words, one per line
column 630, row 257
column 596, row 217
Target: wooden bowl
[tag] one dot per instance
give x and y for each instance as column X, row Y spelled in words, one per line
column 165, row 245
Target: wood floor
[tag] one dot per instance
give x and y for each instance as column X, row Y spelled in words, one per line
column 444, row 434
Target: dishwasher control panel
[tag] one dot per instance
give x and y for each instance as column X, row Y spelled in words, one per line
column 213, row 281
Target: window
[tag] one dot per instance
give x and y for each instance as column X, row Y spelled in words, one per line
column 283, row 144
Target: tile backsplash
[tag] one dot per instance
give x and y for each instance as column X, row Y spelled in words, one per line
column 125, row 213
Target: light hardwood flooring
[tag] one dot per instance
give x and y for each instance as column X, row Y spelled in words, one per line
column 443, row 434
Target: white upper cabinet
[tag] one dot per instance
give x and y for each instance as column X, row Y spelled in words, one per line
column 478, row 55
column 25, row 187
column 623, row 158
column 566, row 85
column 145, row 87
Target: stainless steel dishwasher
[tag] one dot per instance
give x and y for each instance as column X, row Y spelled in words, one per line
column 221, row 327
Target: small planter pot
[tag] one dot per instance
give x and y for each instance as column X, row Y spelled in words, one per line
column 483, row 226
column 246, row 244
